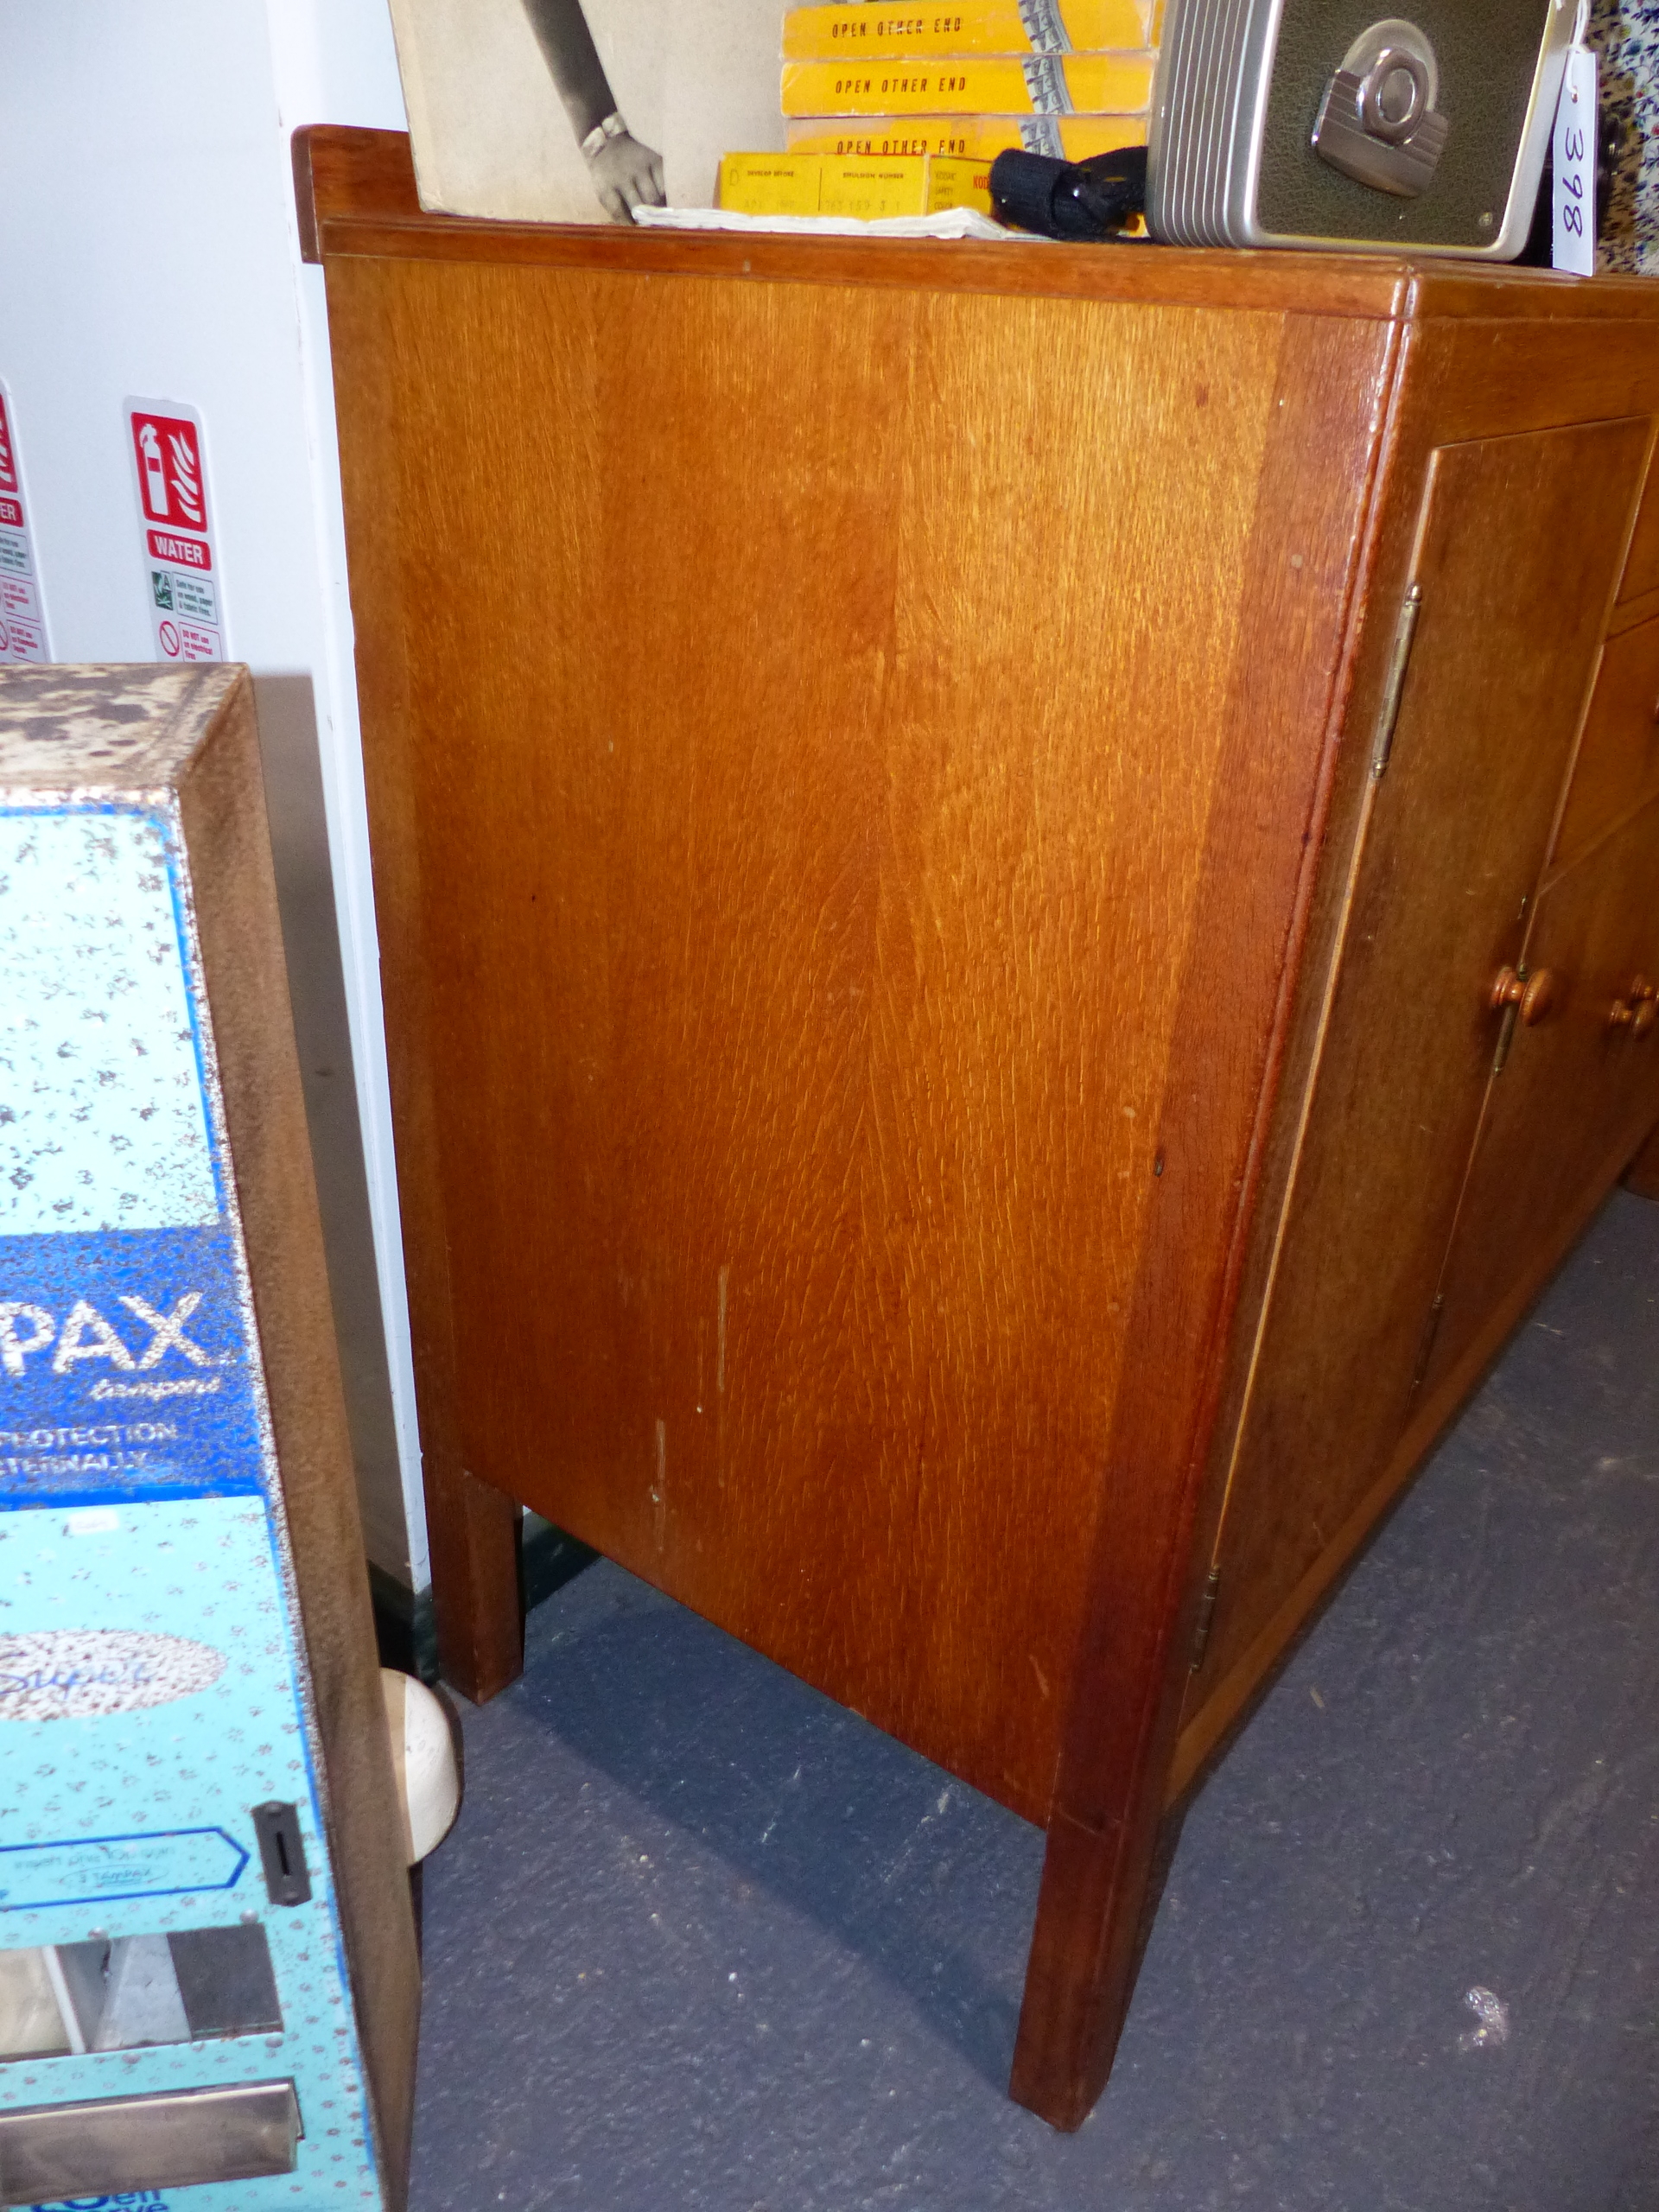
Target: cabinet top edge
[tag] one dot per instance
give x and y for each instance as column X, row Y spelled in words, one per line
column 357, row 197
column 106, row 729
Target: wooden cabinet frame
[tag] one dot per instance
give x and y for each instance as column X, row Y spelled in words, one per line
column 870, row 760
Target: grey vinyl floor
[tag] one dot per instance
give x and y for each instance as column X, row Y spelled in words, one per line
column 703, row 1939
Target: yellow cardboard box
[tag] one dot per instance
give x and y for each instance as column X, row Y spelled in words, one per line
column 968, row 138
column 867, row 30
column 770, row 184
column 1081, row 84
column 953, row 183
column 871, row 185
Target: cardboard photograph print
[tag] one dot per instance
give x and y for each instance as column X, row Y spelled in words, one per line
column 580, row 111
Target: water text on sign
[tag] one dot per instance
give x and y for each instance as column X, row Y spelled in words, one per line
column 183, row 552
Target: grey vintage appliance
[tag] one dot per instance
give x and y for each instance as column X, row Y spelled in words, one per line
column 1322, row 123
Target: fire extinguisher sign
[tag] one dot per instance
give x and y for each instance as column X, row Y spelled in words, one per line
column 182, row 578
column 22, row 619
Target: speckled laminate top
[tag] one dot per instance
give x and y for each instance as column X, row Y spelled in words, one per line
column 109, row 725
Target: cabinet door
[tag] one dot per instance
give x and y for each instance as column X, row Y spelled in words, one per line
column 1576, row 1094
column 1617, row 766
column 1518, row 543
column 1642, row 565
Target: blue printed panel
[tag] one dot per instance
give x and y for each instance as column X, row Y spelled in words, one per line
column 97, row 1870
column 106, row 1120
column 122, row 1370
column 145, row 2199
column 150, row 1667
column 202, row 1570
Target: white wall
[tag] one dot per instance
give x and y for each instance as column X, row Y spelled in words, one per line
column 148, row 246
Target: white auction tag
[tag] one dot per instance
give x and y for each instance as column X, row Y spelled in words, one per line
column 1574, row 238
column 23, row 617
column 181, row 569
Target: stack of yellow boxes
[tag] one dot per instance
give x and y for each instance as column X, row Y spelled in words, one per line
column 900, row 111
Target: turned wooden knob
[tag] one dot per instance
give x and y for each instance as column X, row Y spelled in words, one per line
column 1535, row 996
column 1635, row 1011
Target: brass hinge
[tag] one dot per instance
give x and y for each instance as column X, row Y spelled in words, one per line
column 1511, row 1016
column 1425, row 1348
column 1506, row 1031
column 1206, row 1618
column 1388, row 712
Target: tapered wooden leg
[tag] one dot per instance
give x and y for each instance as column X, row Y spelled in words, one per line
column 1642, row 1175
column 1103, row 1865
column 475, row 1590
column 1094, row 1914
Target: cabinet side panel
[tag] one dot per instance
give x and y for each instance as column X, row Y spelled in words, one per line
column 808, row 725
column 222, row 810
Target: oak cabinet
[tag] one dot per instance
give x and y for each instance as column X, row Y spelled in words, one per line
column 948, row 825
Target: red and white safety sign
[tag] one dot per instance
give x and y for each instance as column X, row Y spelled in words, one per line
column 180, row 571
column 23, row 617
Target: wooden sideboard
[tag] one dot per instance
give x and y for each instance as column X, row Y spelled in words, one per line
column 959, row 831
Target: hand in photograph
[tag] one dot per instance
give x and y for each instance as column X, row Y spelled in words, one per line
column 626, row 174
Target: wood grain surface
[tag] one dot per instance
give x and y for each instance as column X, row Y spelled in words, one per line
column 1302, row 572
column 1617, row 763
column 1505, row 293
column 221, row 803
column 1597, row 929
column 1642, row 564
column 1206, row 1735
column 471, row 1530
column 846, row 855
column 1517, row 567
column 341, row 174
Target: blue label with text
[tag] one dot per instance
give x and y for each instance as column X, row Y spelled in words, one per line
column 123, row 1373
